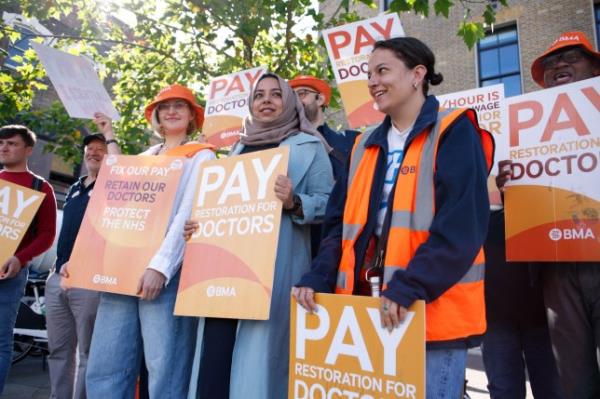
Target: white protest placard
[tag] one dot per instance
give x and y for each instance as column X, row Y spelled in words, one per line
column 76, row 82
column 490, row 106
column 349, row 47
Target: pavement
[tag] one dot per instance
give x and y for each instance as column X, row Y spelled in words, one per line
column 28, row 379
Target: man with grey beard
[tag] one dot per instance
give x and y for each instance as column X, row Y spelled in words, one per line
column 315, row 95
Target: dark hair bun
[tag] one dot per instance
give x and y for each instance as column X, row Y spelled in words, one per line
column 435, row 79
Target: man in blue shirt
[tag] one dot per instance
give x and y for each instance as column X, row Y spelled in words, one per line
column 71, row 313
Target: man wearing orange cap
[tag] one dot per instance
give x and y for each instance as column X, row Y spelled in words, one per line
column 571, row 289
column 315, row 95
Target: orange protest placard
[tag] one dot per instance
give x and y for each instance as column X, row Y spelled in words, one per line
column 552, row 202
column 125, row 222
column 342, row 351
column 230, row 261
column 227, row 106
column 18, row 206
column 349, row 47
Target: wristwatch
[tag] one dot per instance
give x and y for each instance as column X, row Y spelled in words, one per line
column 112, row 141
column 297, row 204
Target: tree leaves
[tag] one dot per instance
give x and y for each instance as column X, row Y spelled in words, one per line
column 186, row 41
column 471, row 32
column 442, row 7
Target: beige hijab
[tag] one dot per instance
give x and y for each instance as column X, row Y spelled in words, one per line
column 291, row 121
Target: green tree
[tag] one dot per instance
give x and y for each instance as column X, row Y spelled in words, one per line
column 165, row 41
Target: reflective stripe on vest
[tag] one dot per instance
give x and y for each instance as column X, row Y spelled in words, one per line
column 460, row 311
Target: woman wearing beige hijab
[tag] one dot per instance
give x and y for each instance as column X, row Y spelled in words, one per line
column 257, row 356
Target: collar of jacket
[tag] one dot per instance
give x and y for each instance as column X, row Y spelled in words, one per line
column 427, row 117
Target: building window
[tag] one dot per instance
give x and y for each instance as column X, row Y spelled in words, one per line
column 20, row 46
column 29, row 29
column 597, row 18
column 498, row 57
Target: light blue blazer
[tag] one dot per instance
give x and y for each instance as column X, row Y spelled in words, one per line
column 261, row 354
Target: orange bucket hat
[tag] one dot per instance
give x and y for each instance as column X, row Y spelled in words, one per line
column 567, row 39
column 310, row 81
column 176, row 91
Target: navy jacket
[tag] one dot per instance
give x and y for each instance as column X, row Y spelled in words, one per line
column 342, row 146
column 73, row 211
column 458, row 229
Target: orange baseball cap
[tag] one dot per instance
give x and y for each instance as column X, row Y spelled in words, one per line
column 567, row 39
column 176, row 91
column 310, row 81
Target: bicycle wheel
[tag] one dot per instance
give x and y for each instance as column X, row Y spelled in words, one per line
column 21, row 347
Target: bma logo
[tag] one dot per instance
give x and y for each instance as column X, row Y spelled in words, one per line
column 104, row 280
column 218, row 290
column 571, row 234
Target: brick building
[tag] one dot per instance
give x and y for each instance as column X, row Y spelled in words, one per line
column 521, row 33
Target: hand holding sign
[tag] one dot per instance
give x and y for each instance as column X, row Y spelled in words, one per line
column 104, row 125
column 10, row 268
column 150, row 285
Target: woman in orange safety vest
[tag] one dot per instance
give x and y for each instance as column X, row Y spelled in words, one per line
column 413, row 208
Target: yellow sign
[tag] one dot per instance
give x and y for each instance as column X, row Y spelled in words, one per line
column 230, row 261
column 341, row 351
column 18, row 206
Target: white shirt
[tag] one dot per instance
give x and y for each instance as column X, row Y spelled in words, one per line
column 169, row 257
column 396, row 140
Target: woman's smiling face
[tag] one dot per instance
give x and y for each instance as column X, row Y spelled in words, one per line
column 267, row 103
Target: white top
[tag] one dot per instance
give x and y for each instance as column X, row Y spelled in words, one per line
column 396, row 140
column 169, row 257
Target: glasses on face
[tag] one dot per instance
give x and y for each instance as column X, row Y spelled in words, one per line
column 178, row 106
column 570, row 57
column 304, row 92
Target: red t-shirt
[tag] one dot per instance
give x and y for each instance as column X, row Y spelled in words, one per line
column 45, row 219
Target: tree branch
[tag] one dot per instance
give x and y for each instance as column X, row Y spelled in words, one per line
column 288, row 36
column 93, row 39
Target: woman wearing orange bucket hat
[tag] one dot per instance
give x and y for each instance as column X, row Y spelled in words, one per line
column 124, row 323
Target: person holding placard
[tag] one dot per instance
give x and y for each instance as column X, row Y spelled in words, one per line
column 253, row 363
column 16, row 145
column 412, row 212
column 125, row 323
column 70, row 313
column 571, row 290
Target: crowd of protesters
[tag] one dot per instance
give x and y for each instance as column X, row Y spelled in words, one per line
column 431, row 231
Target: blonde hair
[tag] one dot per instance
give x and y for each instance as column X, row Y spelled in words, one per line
column 158, row 129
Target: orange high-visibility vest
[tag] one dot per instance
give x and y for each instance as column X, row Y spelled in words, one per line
column 189, row 150
column 460, row 311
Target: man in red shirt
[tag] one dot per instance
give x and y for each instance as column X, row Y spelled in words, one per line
column 16, row 145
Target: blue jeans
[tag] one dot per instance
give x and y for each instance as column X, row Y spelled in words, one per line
column 445, row 375
column 123, row 324
column 11, row 292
